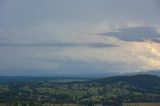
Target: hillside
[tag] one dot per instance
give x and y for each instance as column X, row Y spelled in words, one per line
column 137, row 88
column 144, row 82
column 111, row 90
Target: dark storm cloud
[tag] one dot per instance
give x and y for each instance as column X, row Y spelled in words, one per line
column 135, row 34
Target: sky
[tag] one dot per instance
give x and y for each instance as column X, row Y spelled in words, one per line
column 79, row 37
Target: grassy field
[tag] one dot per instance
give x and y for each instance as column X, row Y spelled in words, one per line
column 2, row 104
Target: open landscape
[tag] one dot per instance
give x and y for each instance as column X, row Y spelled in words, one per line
column 79, row 52
column 101, row 92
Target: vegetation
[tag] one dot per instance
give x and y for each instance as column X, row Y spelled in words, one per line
column 108, row 91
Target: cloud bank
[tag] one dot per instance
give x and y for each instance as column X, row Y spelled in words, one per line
column 79, row 37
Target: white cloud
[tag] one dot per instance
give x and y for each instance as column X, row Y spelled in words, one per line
column 135, row 56
column 132, row 56
column 77, row 23
column 128, row 56
column 76, row 33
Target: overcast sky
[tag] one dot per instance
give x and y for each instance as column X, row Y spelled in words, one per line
column 79, row 37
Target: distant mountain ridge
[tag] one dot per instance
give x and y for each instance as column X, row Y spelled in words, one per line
column 49, row 78
column 28, row 79
column 157, row 73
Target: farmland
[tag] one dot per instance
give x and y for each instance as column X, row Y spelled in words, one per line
column 111, row 91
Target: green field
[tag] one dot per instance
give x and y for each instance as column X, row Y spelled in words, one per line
column 113, row 90
column 2, row 104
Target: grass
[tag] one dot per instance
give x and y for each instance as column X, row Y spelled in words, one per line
column 2, row 104
column 70, row 92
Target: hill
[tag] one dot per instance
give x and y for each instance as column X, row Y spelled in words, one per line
column 111, row 90
column 143, row 81
column 135, row 88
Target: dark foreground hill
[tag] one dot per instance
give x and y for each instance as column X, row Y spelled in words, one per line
column 111, row 90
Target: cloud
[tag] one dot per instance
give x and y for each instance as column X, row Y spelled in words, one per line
column 134, row 34
column 93, row 45
column 48, row 34
column 128, row 57
column 158, row 29
column 100, row 45
column 39, row 44
column 65, row 32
